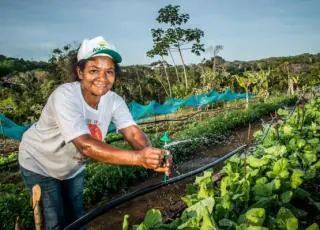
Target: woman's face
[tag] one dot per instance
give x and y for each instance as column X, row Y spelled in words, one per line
column 98, row 76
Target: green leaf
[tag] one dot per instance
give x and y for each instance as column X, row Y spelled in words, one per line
column 283, row 112
column 255, row 162
column 255, row 216
column 263, row 190
column 280, row 168
column 286, row 196
column 205, row 183
column 276, row 184
column 287, row 130
column 141, row 226
column 310, row 174
column 256, row 228
column 225, row 184
column 152, row 218
column 314, row 141
column 316, row 165
column 125, row 224
column 277, row 150
column 226, row 223
column 296, row 179
column 261, row 180
column 208, row 222
column 190, row 200
column 301, row 143
column 286, row 220
column 310, row 156
column 191, row 223
column 191, row 189
column 206, row 178
column 197, row 209
column 313, row 226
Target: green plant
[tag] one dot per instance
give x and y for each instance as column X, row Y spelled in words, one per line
column 261, row 190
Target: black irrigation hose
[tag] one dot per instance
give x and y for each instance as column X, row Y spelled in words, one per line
column 114, row 203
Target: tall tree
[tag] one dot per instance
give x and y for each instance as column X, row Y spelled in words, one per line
column 160, row 47
column 177, row 37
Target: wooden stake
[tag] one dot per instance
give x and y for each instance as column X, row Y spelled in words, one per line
column 18, row 225
column 36, row 195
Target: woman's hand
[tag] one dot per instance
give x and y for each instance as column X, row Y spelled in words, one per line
column 153, row 158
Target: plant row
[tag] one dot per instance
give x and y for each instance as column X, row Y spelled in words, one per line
column 272, row 186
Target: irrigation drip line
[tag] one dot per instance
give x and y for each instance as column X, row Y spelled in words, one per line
column 114, row 203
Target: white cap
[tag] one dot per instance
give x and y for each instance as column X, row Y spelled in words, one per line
column 97, row 47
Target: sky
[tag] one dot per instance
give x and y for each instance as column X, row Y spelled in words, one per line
column 247, row 29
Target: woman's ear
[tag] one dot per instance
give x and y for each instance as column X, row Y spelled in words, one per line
column 80, row 73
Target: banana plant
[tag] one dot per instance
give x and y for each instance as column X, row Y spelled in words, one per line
column 245, row 82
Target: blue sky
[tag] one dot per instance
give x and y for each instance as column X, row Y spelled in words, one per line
column 248, row 29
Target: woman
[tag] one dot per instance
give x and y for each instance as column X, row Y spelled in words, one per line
column 71, row 128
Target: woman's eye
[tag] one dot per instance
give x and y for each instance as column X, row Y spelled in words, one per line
column 93, row 71
column 110, row 72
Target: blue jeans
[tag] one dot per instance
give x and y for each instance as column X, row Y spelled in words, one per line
column 61, row 200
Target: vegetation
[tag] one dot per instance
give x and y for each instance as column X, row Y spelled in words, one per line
column 261, row 189
column 271, row 187
column 104, row 180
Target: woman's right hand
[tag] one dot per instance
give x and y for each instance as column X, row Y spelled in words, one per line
column 152, row 158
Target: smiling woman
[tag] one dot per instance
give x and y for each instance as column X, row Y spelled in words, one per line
column 71, row 129
column 96, row 79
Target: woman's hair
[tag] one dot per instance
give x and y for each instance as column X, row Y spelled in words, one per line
column 82, row 65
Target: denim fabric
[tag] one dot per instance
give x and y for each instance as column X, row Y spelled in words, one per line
column 61, row 200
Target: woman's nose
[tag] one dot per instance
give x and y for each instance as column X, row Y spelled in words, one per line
column 103, row 76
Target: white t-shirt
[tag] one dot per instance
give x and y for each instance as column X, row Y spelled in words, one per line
column 46, row 147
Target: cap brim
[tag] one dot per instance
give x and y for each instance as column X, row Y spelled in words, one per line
column 115, row 55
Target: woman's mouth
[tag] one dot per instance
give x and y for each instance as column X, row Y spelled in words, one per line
column 100, row 85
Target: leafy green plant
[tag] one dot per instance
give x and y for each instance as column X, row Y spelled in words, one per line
column 261, row 191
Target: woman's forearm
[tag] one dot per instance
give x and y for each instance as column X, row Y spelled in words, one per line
column 106, row 153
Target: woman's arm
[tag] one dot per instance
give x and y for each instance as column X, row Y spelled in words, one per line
column 134, row 135
column 147, row 157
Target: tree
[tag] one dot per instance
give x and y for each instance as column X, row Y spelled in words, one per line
column 175, row 37
column 160, row 47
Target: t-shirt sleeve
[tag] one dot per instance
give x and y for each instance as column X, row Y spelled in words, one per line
column 121, row 116
column 68, row 114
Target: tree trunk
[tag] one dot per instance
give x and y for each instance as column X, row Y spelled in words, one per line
column 163, row 86
column 167, row 76
column 184, row 68
column 290, row 87
column 175, row 66
column 213, row 71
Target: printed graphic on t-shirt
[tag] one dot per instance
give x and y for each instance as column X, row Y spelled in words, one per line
column 95, row 130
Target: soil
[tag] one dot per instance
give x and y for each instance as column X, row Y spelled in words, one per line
column 168, row 199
